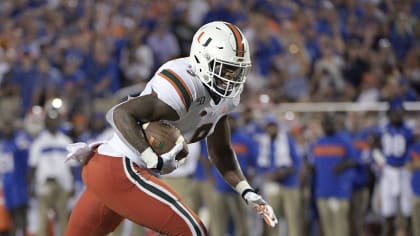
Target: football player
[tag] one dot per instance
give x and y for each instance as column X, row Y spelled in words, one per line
column 194, row 94
column 394, row 140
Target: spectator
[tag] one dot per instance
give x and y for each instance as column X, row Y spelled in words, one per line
column 217, row 11
column 4, row 66
column 14, row 158
column 328, row 78
column 161, row 35
column 413, row 164
column 280, row 166
column 359, row 128
column 22, row 77
column 401, row 35
column 369, row 90
column 295, row 64
column 182, row 29
column 51, row 177
column 196, row 11
column 102, row 74
column 250, row 124
column 137, row 60
column 266, row 47
column 356, row 63
column 394, row 141
column 74, row 82
column 48, row 82
column 332, row 158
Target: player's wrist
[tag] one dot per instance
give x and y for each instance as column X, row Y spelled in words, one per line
column 243, row 188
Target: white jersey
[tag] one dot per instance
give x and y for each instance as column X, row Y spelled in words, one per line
column 188, row 96
column 47, row 154
column 176, row 86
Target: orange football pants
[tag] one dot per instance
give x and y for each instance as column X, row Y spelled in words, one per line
column 116, row 188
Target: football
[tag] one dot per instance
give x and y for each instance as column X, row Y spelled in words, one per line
column 162, row 137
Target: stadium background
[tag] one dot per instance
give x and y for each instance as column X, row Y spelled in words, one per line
column 357, row 58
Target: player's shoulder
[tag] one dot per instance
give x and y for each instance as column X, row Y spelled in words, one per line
column 175, row 84
column 178, row 73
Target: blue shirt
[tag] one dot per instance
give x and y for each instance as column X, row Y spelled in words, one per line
column 326, row 153
column 291, row 180
column 271, row 164
column 246, row 152
column 414, row 155
column 15, row 150
column 362, row 156
column 265, row 51
column 395, row 142
column 24, row 79
column 99, row 72
column 14, row 168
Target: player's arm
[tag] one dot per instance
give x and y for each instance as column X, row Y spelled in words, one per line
column 127, row 118
column 223, row 157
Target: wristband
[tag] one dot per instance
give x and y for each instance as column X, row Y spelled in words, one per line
column 243, row 187
column 245, row 192
column 151, row 159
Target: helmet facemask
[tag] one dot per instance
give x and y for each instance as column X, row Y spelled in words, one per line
column 227, row 79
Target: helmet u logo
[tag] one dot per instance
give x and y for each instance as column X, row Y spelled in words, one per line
column 207, row 41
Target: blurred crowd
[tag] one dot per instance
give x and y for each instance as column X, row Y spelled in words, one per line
column 64, row 62
column 82, row 51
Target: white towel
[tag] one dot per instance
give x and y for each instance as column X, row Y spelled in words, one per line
column 264, row 150
column 282, row 151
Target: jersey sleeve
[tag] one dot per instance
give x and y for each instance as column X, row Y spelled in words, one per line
column 170, row 89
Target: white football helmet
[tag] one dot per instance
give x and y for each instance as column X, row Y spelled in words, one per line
column 220, row 57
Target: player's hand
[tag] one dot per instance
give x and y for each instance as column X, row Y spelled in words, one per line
column 167, row 162
column 81, row 152
column 261, row 207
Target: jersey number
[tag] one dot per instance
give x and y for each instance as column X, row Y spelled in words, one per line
column 201, row 132
column 393, row 145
